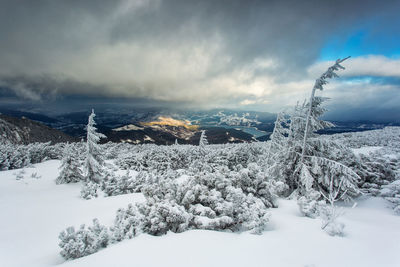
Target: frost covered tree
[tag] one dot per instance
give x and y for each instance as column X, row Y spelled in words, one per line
column 203, row 139
column 94, row 162
column 319, row 85
column 306, row 162
column 203, row 142
column 70, row 167
column 319, row 168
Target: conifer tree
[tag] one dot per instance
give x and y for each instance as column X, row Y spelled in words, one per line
column 203, row 139
column 319, row 84
column 203, row 142
column 70, row 171
column 94, row 162
column 303, row 161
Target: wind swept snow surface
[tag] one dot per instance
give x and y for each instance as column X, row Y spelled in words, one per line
column 34, row 211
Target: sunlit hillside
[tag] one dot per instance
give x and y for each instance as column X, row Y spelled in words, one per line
column 168, row 121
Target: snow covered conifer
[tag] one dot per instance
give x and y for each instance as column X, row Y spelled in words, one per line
column 281, row 130
column 306, row 162
column 94, row 163
column 319, row 84
column 70, row 171
column 203, row 139
column 203, row 142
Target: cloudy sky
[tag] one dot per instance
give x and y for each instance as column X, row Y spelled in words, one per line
column 254, row 55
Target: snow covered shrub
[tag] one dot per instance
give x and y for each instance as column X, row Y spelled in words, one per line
column 127, row 224
column 252, row 180
column 38, row 152
column 163, row 216
column 119, row 185
column 35, row 175
column 376, row 170
column 70, row 167
column 89, row 190
column 330, row 212
column 15, row 156
column 154, row 158
column 309, row 205
column 20, row 175
column 206, row 200
column 329, row 215
column 83, row 242
column 391, row 193
column 214, row 202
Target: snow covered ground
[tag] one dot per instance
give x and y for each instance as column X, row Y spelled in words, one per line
column 366, row 150
column 34, row 212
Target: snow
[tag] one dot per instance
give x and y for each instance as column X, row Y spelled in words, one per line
column 129, row 127
column 182, row 179
column 35, row 211
column 366, row 150
column 130, row 141
column 148, row 138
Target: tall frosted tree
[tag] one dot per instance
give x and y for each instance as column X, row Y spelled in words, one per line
column 203, row 142
column 94, row 163
column 305, row 162
column 313, row 109
column 203, row 139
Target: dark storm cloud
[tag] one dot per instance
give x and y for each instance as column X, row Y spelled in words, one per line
column 171, row 50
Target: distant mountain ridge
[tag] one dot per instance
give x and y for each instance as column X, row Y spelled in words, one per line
column 161, row 127
column 24, row 131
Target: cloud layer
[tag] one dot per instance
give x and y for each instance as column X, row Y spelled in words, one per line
column 251, row 54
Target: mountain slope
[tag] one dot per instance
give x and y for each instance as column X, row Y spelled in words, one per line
column 25, row 131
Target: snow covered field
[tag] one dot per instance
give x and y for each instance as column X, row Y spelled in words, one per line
column 34, row 212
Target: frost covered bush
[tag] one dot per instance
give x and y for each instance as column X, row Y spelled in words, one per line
column 14, row 156
column 35, row 175
column 376, row 171
column 89, row 190
column 214, row 201
column 20, row 175
column 391, row 193
column 83, row 242
column 127, row 224
column 119, row 185
column 309, row 205
column 329, row 215
column 162, row 159
column 252, row 180
column 163, row 216
column 155, row 158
